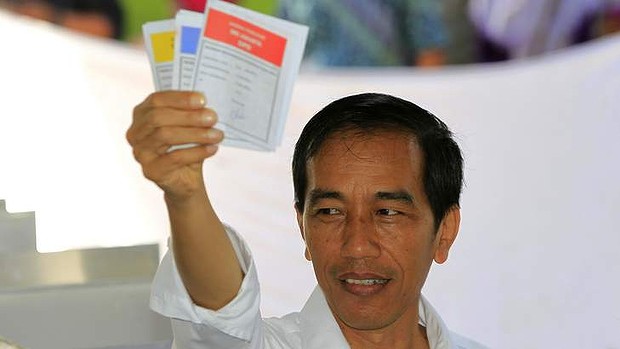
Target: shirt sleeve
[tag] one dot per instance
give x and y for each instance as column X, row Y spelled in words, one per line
column 236, row 325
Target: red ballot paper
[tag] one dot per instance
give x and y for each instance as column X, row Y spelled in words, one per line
column 255, row 40
column 246, row 66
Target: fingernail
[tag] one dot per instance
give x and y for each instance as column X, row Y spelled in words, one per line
column 213, row 134
column 208, row 118
column 212, row 148
column 197, row 100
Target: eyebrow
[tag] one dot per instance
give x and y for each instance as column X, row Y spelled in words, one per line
column 318, row 194
column 400, row 195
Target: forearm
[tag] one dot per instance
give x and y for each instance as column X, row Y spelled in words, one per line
column 204, row 255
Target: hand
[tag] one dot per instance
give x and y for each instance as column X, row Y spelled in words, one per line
column 169, row 118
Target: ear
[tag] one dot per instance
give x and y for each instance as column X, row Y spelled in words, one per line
column 300, row 223
column 446, row 234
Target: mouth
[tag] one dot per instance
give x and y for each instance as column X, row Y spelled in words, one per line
column 366, row 282
column 363, row 285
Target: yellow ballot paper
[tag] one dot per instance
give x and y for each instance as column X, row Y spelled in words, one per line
column 159, row 41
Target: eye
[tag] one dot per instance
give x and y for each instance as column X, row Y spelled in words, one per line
column 387, row 212
column 329, row 211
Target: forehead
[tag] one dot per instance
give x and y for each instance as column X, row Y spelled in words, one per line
column 381, row 144
column 351, row 154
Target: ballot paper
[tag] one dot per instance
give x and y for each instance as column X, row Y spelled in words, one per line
column 159, row 40
column 243, row 61
column 187, row 25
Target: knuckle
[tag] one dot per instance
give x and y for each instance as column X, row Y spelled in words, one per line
column 129, row 136
column 152, row 99
column 137, row 109
column 132, row 135
column 138, row 155
column 146, row 103
column 140, row 114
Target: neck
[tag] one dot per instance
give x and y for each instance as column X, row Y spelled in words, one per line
column 404, row 333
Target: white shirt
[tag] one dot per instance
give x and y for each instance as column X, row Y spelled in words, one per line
column 239, row 324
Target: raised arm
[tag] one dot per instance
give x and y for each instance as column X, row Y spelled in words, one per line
column 203, row 253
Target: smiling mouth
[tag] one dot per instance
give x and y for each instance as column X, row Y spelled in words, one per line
column 364, row 287
column 366, row 282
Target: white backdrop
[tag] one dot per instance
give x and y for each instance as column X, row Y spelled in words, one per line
column 536, row 264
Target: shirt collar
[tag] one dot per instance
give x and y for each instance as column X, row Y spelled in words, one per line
column 439, row 336
column 319, row 329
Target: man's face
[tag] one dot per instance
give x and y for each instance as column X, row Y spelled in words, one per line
column 369, row 229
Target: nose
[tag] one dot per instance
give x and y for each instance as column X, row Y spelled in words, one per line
column 360, row 239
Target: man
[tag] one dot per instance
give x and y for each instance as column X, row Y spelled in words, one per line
column 377, row 184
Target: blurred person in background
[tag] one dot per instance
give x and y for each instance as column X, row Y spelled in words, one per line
column 269, row 7
column 609, row 20
column 461, row 46
column 526, row 28
column 113, row 19
column 101, row 18
column 371, row 32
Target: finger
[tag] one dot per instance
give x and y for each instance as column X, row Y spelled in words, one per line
column 167, row 136
column 162, row 166
column 159, row 142
column 170, row 99
column 155, row 118
column 144, row 156
column 175, row 99
column 164, row 116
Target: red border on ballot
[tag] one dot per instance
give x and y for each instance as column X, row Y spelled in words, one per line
column 255, row 40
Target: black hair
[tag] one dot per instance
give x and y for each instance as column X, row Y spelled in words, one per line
column 372, row 112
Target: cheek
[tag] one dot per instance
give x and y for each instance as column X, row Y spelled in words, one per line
column 323, row 245
column 319, row 245
column 409, row 251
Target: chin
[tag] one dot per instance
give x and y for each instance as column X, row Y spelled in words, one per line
column 367, row 319
column 368, row 323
